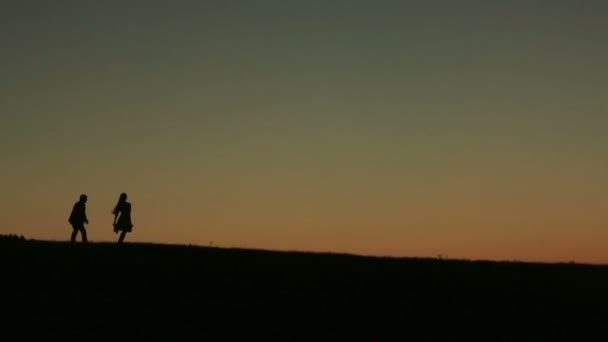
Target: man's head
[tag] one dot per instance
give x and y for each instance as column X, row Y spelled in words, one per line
column 83, row 198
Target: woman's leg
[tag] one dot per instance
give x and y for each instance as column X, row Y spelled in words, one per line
column 122, row 236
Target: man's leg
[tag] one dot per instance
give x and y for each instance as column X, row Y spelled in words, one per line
column 74, row 232
column 83, row 232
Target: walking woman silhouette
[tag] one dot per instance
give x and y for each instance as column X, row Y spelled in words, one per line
column 122, row 217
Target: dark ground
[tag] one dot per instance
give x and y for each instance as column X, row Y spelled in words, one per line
column 102, row 291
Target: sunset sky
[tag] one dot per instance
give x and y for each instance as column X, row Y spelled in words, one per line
column 467, row 129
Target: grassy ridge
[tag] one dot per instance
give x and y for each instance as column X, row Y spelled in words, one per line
column 101, row 289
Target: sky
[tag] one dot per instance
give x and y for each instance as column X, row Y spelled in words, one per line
column 466, row 129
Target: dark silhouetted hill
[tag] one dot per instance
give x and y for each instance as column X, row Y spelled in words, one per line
column 103, row 291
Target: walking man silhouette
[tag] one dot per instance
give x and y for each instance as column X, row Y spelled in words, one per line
column 78, row 218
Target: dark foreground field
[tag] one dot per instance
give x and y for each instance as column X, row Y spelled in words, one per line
column 107, row 291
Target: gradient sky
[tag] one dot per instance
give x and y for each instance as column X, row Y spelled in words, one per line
column 470, row 129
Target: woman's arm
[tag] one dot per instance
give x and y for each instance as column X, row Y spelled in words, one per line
column 114, row 223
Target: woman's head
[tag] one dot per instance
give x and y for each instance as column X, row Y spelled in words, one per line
column 122, row 199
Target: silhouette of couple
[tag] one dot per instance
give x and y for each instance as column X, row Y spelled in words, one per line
column 122, row 218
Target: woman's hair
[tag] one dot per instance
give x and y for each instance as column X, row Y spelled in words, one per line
column 122, row 199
